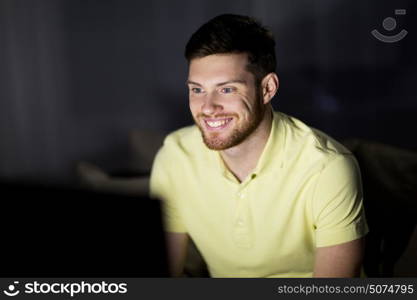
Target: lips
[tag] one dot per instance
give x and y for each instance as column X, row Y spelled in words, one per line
column 217, row 124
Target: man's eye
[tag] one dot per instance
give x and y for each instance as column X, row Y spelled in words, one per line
column 196, row 90
column 227, row 90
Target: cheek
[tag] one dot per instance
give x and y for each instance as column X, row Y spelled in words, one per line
column 194, row 106
column 244, row 106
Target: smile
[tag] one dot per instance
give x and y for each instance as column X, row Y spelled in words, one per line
column 214, row 124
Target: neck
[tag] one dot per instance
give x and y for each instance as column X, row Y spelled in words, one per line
column 243, row 158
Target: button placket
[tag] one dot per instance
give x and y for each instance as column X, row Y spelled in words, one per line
column 241, row 234
column 240, row 207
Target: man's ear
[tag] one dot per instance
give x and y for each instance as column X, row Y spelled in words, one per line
column 270, row 85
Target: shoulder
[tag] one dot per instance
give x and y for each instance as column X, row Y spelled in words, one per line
column 171, row 157
column 183, row 137
column 181, row 143
column 184, row 140
column 312, row 152
column 309, row 144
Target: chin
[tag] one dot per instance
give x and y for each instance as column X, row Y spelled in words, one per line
column 216, row 143
column 217, row 146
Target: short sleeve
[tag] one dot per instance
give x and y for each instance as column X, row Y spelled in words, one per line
column 162, row 187
column 338, row 211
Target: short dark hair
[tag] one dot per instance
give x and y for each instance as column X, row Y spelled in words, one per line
column 230, row 33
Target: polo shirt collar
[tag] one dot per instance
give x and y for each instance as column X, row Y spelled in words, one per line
column 272, row 155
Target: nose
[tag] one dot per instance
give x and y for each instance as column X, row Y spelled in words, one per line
column 211, row 105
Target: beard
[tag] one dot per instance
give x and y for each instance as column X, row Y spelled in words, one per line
column 215, row 141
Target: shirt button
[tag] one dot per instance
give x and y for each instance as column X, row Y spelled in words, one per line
column 240, row 222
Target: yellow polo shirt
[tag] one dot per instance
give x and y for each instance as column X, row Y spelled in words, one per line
column 305, row 192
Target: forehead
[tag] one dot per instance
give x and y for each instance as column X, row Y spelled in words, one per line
column 219, row 67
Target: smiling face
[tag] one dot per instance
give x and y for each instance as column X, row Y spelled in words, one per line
column 224, row 101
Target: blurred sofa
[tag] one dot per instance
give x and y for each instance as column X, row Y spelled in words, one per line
column 389, row 176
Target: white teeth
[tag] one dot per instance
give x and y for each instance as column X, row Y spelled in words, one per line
column 217, row 123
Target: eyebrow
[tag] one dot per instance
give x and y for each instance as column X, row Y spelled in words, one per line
column 221, row 83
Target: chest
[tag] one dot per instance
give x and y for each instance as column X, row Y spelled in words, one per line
column 218, row 204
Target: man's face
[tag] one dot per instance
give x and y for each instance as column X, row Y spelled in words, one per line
column 224, row 100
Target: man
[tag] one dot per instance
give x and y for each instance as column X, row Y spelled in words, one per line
column 260, row 193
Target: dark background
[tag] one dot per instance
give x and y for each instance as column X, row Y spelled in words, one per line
column 76, row 76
